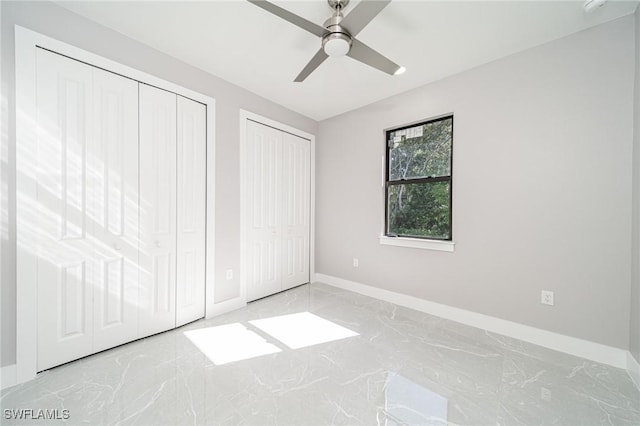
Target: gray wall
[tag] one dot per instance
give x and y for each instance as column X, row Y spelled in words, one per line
column 542, row 184
column 634, row 326
column 542, row 188
column 61, row 24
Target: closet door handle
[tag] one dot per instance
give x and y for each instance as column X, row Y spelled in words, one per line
column 117, row 246
column 157, row 243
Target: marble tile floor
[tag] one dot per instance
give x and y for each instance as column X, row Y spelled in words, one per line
column 378, row 363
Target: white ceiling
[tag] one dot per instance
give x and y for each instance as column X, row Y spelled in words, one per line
column 251, row 48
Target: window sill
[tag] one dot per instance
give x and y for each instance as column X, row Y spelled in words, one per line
column 417, row 243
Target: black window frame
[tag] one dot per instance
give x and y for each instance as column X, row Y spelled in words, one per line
column 423, row 180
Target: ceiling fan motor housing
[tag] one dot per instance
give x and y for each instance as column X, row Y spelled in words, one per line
column 337, row 42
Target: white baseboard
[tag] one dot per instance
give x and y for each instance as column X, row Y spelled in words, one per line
column 571, row 345
column 634, row 369
column 8, row 376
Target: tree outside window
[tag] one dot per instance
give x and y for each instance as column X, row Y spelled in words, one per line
column 418, row 180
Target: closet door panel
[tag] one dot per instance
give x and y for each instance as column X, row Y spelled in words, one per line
column 264, row 210
column 157, row 261
column 113, row 160
column 296, row 161
column 67, row 263
column 191, row 196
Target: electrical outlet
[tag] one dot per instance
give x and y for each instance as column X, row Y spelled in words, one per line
column 229, row 274
column 546, row 297
column 355, row 262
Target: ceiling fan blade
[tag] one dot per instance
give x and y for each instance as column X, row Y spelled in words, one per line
column 290, row 17
column 314, row 63
column 363, row 53
column 362, row 14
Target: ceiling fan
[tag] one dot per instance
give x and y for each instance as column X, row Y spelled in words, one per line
column 338, row 34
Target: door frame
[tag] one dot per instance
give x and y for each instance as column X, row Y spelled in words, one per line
column 244, row 117
column 26, row 43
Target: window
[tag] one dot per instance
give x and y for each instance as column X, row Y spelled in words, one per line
column 418, row 180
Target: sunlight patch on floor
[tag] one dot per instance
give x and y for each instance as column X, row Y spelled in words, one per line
column 235, row 342
column 229, row 343
column 302, row 329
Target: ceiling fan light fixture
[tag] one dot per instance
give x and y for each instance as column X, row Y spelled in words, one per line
column 336, row 44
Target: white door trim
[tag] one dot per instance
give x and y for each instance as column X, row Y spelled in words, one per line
column 247, row 115
column 26, row 43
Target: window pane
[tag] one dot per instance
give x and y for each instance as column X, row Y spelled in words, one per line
column 419, row 210
column 421, row 151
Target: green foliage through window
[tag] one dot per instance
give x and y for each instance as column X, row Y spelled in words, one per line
column 418, row 183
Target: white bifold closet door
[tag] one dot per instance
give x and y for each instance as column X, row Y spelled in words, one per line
column 112, row 164
column 172, row 209
column 86, row 214
column 191, row 188
column 296, row 213
column 67, row 257
column 277, row 210
column 119, row 213
column 157, row 210
column 264, row 210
